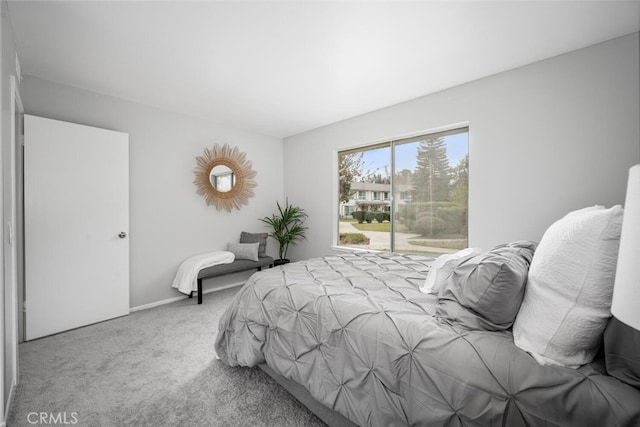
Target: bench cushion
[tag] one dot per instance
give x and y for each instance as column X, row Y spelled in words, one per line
column 235, row 266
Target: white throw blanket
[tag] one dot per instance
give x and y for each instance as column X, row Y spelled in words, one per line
column 186, row 279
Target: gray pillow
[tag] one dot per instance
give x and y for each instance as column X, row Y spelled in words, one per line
column 253, row 238
column 244, row 250
column 621, row 349
column 485, row 291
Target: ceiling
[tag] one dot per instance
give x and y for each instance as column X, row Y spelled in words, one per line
column 282, row 68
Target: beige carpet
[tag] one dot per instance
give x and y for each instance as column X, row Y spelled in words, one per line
column 155, row 367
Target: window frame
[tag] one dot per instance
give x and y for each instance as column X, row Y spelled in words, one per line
column 453, row 128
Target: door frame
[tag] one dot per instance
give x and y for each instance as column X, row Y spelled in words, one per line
column 11, row 236
column 17, row 138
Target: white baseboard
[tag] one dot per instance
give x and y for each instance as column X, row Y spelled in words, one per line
column 170, row 300
column 155, row 304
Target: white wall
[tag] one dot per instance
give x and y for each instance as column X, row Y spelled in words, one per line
column 544, row 139
column 169, row 221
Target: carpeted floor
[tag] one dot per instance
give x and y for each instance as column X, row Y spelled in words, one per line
column 155, row 367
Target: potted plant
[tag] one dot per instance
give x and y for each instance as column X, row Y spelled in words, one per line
column 288, row 228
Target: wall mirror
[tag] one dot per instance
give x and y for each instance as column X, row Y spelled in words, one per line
column 224, row 177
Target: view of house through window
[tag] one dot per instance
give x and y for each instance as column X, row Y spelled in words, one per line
column 408, row 195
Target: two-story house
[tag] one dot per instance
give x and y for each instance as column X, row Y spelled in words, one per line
column 369, row 196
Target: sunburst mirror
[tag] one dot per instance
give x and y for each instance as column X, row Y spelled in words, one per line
column 224, row 177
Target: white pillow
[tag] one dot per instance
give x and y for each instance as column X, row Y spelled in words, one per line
column 568, row 296
column 442, row 268
column 244, row 250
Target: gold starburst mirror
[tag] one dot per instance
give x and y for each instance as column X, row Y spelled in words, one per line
column 224, row 177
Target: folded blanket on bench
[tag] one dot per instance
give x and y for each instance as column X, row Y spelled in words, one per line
column 186, row 279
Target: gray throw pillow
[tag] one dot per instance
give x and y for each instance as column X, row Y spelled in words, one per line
column 244, row 250
column 260, row 238
column 485, row 292
column 621, row 350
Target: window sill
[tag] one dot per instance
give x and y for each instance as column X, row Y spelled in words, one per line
column 337, row 248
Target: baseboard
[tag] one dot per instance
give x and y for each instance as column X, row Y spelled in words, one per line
column 179, row 298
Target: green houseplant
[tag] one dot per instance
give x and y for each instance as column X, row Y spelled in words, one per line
column 287, row 228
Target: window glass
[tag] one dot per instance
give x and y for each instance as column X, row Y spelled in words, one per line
column 364, row 215
column 428, row 177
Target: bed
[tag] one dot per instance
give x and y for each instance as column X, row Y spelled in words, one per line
column 357, row 332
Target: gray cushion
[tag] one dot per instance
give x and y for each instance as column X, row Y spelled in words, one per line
column 235, row 266
column 485, row 291
column 244, row 250
column 260, row 238
column 621, row 350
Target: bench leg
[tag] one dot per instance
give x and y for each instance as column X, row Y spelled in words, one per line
column 199, row 291
column 191, row 294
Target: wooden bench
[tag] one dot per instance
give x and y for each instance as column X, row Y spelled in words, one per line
column 233, row 267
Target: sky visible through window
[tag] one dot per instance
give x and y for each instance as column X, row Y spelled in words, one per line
column 377, row 160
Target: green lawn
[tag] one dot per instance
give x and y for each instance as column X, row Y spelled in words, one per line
column 447, row 242
column 378, row 226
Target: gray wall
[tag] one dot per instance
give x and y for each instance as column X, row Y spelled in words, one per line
column 169, row 221
column 545, row 139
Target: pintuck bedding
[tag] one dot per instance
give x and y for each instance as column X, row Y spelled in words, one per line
column 356, row 331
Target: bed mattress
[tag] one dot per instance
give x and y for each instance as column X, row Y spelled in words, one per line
column 357, row 333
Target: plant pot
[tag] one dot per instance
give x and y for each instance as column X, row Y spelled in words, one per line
column 281, row 262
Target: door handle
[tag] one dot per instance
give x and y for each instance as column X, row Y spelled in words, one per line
column 122, row 235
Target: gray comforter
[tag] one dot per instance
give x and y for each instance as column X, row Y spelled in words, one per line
column 355, row 330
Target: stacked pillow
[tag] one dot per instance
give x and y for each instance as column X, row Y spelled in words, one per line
column 485, row 291
column 621, row 350
column 260, row 238
column 443, row 266
column 567, row 301
column 252, row 246
column 558, row 301
column 244, row 250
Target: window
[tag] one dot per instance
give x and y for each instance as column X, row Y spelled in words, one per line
column 347, row 209
column 418, row 194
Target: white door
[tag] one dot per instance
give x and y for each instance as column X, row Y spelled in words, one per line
column 76, row 197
